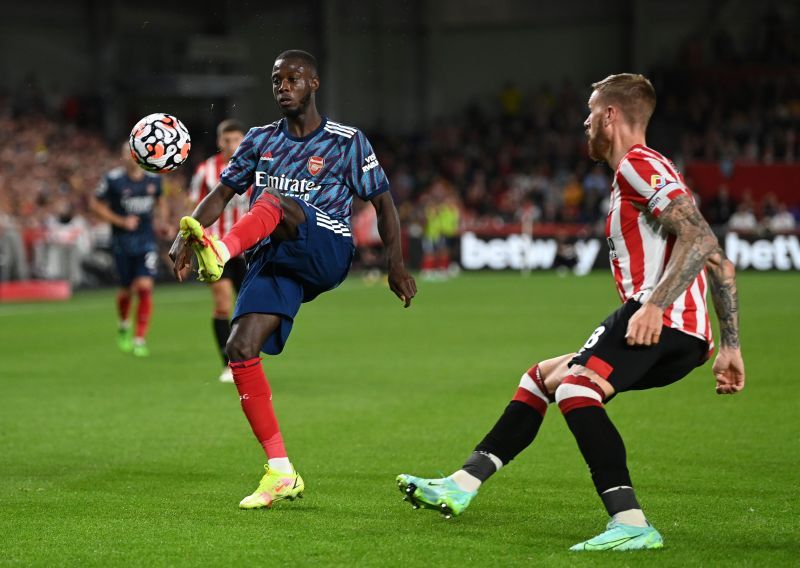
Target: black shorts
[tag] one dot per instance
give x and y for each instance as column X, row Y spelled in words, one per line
column 234, row 271
column 607, row 353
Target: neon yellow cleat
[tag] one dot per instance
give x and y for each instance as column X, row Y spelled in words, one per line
column 274, row 486
column 210, row 252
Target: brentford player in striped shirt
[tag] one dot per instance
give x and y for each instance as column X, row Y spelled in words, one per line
column 663, row 255
column 229, row 135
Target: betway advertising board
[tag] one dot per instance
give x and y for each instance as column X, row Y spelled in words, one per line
column 519, row 252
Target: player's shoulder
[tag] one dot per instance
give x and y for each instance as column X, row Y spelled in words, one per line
column 151, row 177
column 643, row 157
column 342, row 130
column 115, row 174
column 264, row 129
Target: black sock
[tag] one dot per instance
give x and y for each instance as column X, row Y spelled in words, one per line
column 222, row 330
column 514, row 431
column 604, row 452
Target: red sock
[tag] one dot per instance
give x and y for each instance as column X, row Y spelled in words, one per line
column 255, row 225
column 123, row 305
column 256, row 399
column 143, row 311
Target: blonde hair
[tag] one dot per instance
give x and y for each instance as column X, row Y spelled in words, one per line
column 632, row 93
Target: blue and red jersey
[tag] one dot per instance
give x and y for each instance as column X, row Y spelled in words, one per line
column 124, row 197
column 326, row 168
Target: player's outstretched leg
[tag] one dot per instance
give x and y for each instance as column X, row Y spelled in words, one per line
column 256, row 225
column 580, row 400
column 513, row 432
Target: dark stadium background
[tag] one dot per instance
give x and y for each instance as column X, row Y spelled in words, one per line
column 470, row 104
column 475, row 108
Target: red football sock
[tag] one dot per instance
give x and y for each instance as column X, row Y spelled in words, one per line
column 123, row 305
column 256, row 398
column 255, row 225
column 143, row 311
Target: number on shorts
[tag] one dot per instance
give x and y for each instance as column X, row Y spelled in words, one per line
column 593, row 339
column 151, row 261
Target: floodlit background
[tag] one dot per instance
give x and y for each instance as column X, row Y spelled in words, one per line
column 475, row 109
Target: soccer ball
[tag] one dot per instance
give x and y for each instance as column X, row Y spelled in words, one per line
column 159, row 142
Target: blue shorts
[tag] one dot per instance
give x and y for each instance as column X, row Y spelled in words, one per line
column 132, row 266
column 281, row 276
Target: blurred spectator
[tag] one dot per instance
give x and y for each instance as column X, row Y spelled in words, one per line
column 721, row 207
column 782, row 221
column 744, row 220
column 13, row 260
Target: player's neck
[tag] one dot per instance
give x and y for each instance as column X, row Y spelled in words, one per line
column 303, row 124
column 134, row 172
column 622, row 144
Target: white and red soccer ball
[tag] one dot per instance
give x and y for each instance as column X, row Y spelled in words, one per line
column 159, row 142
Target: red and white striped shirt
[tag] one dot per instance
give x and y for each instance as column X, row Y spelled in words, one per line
column 644, row 184
column 205, row 178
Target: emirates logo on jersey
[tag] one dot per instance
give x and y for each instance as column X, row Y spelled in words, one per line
column 315, row 164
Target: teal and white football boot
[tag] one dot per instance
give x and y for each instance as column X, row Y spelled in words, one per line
column 442, row 495
column 623, row 537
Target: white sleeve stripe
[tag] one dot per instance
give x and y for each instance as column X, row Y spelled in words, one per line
column 659, row 167
column 635, row 180
column 342, row 126
column 339, row 132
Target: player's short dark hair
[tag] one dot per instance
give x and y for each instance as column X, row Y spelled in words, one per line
column 632, row 93
column 303, row 56
column 230, row 125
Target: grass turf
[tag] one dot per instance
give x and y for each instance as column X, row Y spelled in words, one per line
column 107, row 459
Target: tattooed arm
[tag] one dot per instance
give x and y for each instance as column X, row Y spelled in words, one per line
column 695, row 247
column 694, row 243
column 728, row 366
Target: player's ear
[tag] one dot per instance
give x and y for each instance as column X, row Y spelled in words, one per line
column 610, row 115
column 314, row 83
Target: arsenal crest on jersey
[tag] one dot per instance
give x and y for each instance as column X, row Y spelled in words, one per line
column 315, row 164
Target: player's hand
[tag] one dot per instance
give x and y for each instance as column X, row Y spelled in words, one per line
column 181, row 255
column 130, row 222
column 402, row 284
column 644, row 327
column 729, row 370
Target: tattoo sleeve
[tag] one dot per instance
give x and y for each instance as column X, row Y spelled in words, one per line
column 722, row 277
column 694, row 243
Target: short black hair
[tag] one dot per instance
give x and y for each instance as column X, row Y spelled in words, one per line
column 230, row 125
column 303, row 56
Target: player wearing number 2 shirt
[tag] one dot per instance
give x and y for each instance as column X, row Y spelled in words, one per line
column 663, row 255
column 305, row 170
column 130, row 200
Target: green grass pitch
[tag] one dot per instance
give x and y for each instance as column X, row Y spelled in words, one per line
column 108, row 460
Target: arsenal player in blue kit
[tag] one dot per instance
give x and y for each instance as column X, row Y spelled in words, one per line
column 304, row 170
column 128, row 198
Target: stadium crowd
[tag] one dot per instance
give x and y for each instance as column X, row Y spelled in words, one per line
column 517, row 158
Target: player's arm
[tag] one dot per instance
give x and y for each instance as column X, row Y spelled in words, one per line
column 728, row 366
column 207, row 211
column 400, row 281
column 104, row 212
column 694, row 243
